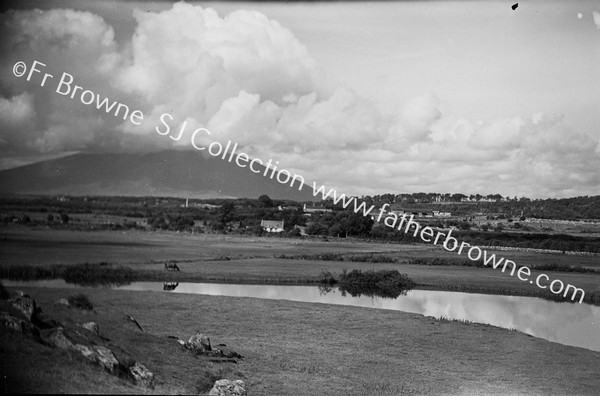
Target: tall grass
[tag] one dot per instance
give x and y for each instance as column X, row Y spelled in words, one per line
column 360, row 258
column 469, row 263
column 563, row 268
column 30, row 272
column 98, row 274
column 445, row 262
column 83, row 274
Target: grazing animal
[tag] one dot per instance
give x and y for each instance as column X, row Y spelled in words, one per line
column 171, row 266
column 169, row 286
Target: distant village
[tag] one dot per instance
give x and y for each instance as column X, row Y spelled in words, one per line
column 320, row 217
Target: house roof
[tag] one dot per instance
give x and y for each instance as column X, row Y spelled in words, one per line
column 271, row 223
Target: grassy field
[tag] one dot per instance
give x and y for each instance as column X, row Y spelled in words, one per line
column 290, row 348
column 235, row 259
column 298, row 349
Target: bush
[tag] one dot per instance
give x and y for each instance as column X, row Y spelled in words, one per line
column 327, row 278
column 382, row 283
column 80, row 301
column 372, row 258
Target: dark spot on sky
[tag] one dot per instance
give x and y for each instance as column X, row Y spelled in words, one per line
column 514, row 6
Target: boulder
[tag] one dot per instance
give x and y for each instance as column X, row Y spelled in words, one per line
column 199, row 343
column 123, row 357
column 107, row 359
column 57, row 337
column 87, row 352
column 18, row 324
column 24, row 304
column 226, row 352
column 225, row 387
column 92, row 327
column 63, row 301
column 141, row 376
column 11, row 322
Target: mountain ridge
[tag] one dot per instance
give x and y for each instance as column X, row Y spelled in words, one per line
column 164, row 173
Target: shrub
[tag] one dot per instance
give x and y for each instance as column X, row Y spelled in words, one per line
column 372, row 258
column 327, row 278
column 80, row 301
column 383, row 283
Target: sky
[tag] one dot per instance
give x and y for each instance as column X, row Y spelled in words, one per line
column 367, row 98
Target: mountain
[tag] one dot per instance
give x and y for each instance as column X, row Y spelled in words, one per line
column 166, row 173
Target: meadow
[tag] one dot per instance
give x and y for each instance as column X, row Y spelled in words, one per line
column 293, row 348
column 244, row 259
column 290, row 348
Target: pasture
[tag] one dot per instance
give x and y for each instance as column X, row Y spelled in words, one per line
column 293, row 348
column 238, row 259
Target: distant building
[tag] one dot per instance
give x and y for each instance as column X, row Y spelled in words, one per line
column 315, row 209
column 272, row 225
column 437, row 213
column 282, row 208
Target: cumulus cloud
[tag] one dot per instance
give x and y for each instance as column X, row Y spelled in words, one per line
column 596, row 16
column 79, row 43
column 248, row 79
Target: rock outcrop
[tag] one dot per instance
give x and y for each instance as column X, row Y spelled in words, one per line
column 91, row 326
column 225, row 387
column 200, row 345
column 24, row 304
column 140, row 375
column 27, row 318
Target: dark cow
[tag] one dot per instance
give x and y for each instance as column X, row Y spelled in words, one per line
column 172, row 266
column 170, row 286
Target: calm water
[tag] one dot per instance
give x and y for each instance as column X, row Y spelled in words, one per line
column 566, row 323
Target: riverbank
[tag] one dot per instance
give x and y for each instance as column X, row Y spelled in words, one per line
column 293, row 348
column 252, row 260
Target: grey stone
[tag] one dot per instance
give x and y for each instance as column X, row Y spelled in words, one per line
column 58, row 338
column 225, row 387
column 25, row 305
column 18, row 324
column 141, row 376
column 107, row 359
column 226, row 352
column 92, row 327
column 87, row 352
column 123, row 357
column 11, row 322
column 199, row 343
column 63, row 301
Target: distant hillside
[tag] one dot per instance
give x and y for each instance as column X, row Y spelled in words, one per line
column 166, row 173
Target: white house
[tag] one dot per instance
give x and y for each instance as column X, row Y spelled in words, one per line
column 272, row 225
column 315, row 209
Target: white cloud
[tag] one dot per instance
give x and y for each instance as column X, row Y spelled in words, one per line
column 17, row 115
column 248, row 79
column 596, row 16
